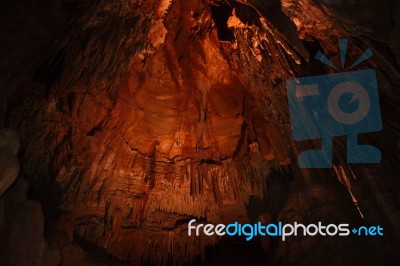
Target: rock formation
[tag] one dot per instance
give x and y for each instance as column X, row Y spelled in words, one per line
column 137, row 116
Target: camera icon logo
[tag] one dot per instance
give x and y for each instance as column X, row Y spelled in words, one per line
column 340, row 104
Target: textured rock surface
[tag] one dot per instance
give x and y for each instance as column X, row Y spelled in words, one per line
column 147, row 114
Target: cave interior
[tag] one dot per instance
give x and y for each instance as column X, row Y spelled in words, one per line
column 122, row 120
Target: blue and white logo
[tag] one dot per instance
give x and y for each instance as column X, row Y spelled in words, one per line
column 341, row 104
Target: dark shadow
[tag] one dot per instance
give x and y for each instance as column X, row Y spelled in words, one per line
column 220, row 15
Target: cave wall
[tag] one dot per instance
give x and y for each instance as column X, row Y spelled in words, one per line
column 140, row 116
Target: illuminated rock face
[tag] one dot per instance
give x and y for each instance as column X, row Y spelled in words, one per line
column 158, row 112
